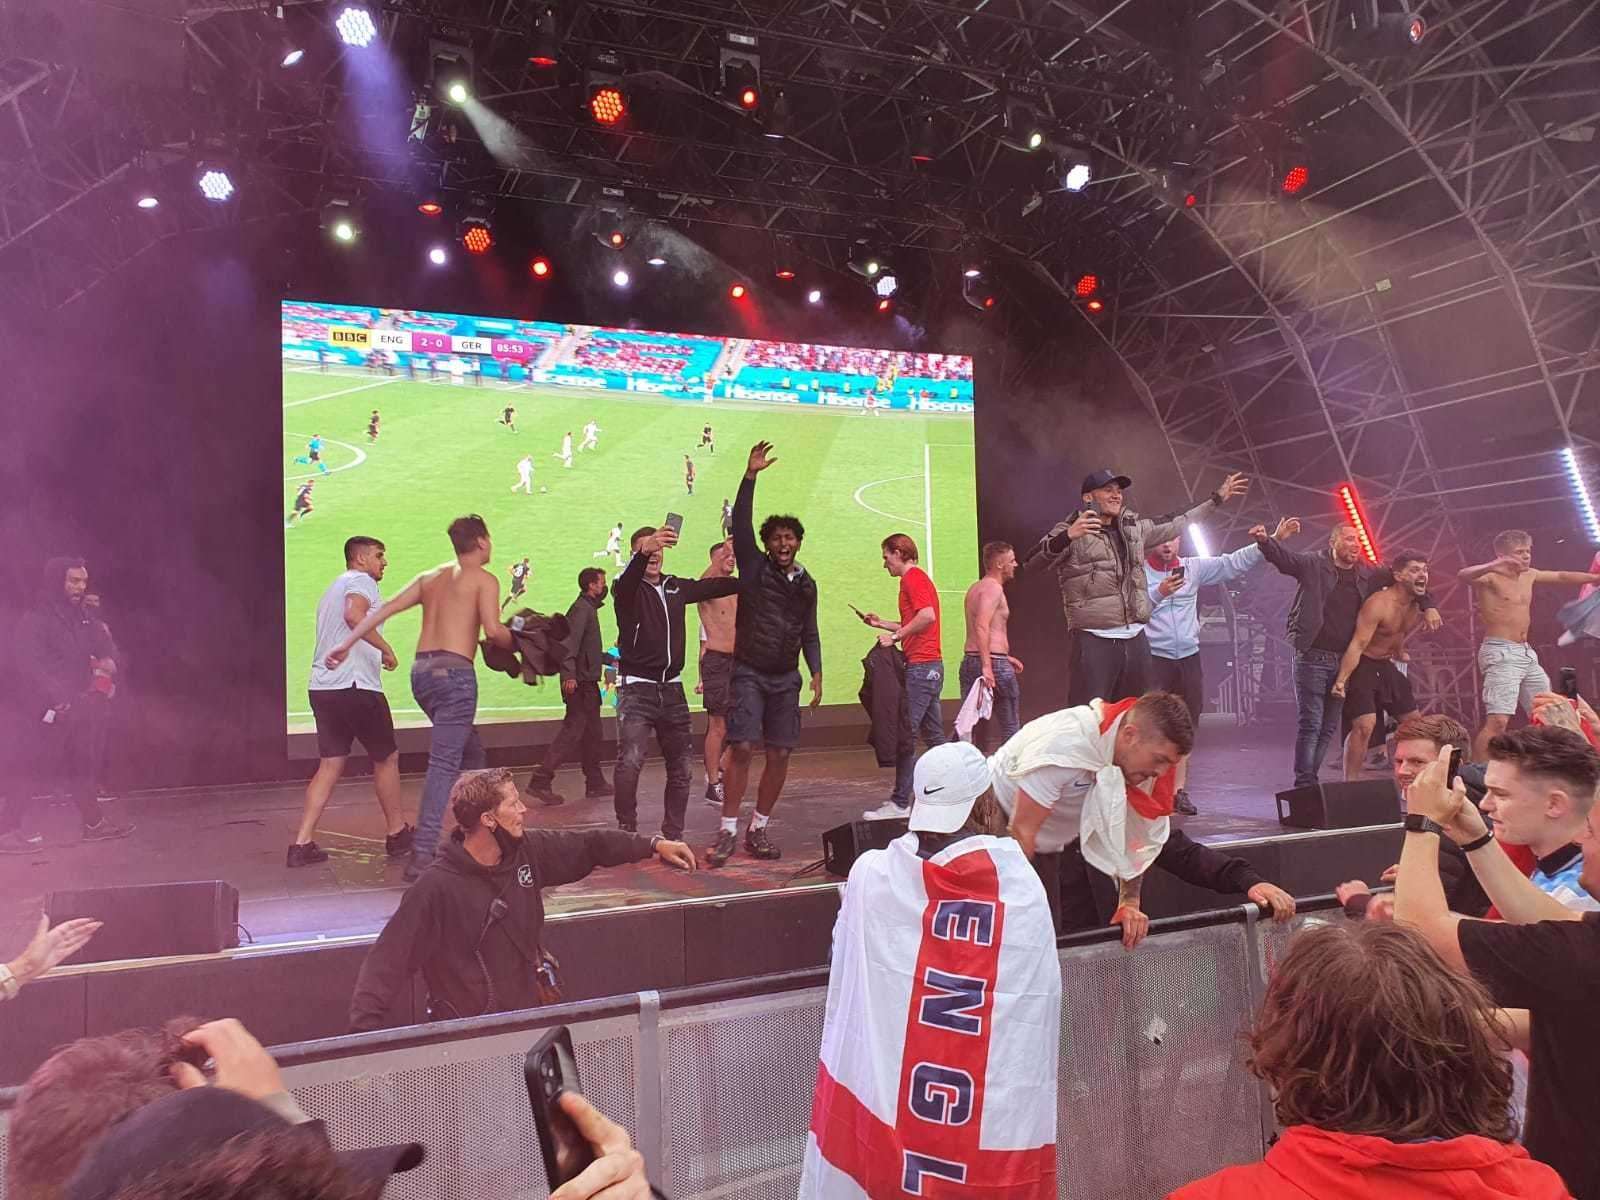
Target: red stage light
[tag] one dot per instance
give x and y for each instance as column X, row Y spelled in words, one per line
column 541, row 60
column 884, row 304
column 477, row 239
column 1096, row 306
column 539, row 268
column 1086, row 286
column 988, row 301
column 749, row 98
column 1191, row 200
column 1350, row 501
column 1295, row 180
column 785, row 273
column 430, row 208
column 607, row 105
column 737, row 291
column 617, row 238
column 1417, row 30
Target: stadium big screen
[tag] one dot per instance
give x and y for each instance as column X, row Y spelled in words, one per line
column 868, row 442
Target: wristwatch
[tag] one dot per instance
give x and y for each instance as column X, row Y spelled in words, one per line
column 1417, row 823
column 1478, row 843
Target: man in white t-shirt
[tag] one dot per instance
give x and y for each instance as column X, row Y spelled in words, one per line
column 348, row 703
column 1101, row 775
column 524, row 481
column 591, row 437
column 566, row 450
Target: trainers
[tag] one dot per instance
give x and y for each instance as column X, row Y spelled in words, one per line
column 398, row 845
column 546, row 796
column 598, row 791
column 14, row 842
column 106, row 830
column 887, row 811
column 759, row 845
column 1182, row 803
column 723, row 850
column 714, row 793
column 628, row 826
column 304, row 855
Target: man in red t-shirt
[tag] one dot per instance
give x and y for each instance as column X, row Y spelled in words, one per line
column 917, row 634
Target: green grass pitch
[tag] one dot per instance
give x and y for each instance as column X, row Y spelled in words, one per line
column 851, row 478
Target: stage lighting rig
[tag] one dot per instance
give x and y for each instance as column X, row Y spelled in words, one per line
column 1084, row 285
column 539, row 267
column 215, row 181
column 605, row 98
column 1580, row 494
column 1291, row 166
column 864, row 260
column 451, row 71
column 739, row 70
column 341, row 220
column 977, row 292
column 355, row 26
column 612, row 228
column 1368, row 29
column 1024, row 126
column 1356, row 514
column 1177, row 186
column 1074, row 168
column 476, row 227
column 777, row 121
column 544, row 39
column 924, row 140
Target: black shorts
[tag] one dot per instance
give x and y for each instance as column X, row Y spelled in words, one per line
column 1376, row 687
column 1181, row 677
column 716, row 682
column 764, row 707
column 316, row 456
column 352, row 714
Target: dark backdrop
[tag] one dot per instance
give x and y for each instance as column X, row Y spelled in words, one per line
column 146, row 420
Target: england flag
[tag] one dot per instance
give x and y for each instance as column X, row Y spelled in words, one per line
column 942, row 1032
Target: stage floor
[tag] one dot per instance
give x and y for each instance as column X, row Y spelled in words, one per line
column 240, row 834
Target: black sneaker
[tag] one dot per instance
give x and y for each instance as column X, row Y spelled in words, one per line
column 628, row 826
column 547, row 796
column 398, row 845
column 106, row 830
column 598, row 791
column 723, row 850
column 1182, row 803
column 415, row 866
column 304, row 855
column 759, row 845
column 714, row 793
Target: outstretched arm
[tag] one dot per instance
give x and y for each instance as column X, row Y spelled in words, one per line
column 1575, row 578
column 1473, row 574
column 410, row 597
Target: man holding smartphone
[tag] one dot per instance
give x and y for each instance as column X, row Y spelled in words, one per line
column 650, row 699
column 1174, row 625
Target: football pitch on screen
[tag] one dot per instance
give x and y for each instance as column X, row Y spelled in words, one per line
column 851, row 477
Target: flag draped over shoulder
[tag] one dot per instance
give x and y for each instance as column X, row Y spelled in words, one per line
column 942, row 1033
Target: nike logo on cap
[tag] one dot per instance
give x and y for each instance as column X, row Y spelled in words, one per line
column 931, row 791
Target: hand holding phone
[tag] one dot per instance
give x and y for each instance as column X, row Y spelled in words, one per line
column 674, row 522
column 549, row 1069
column 1568, row 686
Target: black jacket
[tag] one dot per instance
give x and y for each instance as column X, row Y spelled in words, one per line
column 582, row 661
column 1317, row 575
column 650, row 637
column 55, row 640
column 883, row 688
column 777, row 614
column 443, row 927
column 1088, row 897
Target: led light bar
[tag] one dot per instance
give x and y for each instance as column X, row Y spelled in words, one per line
column 1350, row 501
column 1580, row 493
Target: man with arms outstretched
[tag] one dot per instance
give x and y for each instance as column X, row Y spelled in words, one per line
column 459, row 600
column 1369, row 682
column 1503, row 589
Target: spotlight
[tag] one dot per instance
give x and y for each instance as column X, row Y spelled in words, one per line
column 977, row 293
column 1350, row 501
column 539, row 268
column 1024, row 127
column 737, row 291
column 341, row 219
column 1202, row 544
column 1086, row 286
column 476, row 235
column 655, row 261
column 456, row 92
column 1096, row 305
column 1075, row 168
column 885, row 304
column 356, row 26
column 1295, row 179
column 886, row 285
column 215, row 184
column 430, row 208
column 619, row 278
column 291, row 56
column 617, row 239
column 971, row 273
column 344, row 231
column 777, row 116
column 546, row 48
column 1175, row 185
column 1580, row 494
column 1364, row 32
column 1291, row 169
column 740, row 71
column 604, row 99
column 972, row 265
column 607, row 105
column 611, row 228
column 864, row 260
column 924, row 141
column 438, row 256
column 784, row 273
column 814, row 296
column 148, row 200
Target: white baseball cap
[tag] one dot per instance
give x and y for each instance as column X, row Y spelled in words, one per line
column 946, row 784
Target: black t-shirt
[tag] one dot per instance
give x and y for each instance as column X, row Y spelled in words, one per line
column 1339, row 613
column 1551, row 968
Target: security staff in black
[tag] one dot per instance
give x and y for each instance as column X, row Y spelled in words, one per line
column 777, row 623
column 650, row 699
column 581, row 665
column 473, row 924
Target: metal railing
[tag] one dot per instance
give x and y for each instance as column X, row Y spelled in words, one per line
column 714, row 1083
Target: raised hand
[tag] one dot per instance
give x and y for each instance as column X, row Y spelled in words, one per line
column 1287, row 528
column 1088, row 521
column 1236, row 484
column 761, row 457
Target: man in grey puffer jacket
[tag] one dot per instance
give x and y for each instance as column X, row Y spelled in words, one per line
column 1098, row 555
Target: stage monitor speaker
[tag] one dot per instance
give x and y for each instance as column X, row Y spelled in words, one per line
column 843, row 844
column 1340, row 805
column 153, row 920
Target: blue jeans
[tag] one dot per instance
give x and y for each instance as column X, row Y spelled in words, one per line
column 449, row 696
column 1007, row 693
column 1314, row 673
column 920, row 703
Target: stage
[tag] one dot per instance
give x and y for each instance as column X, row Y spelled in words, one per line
column 239, row 835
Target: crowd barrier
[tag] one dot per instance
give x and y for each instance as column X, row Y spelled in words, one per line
column 714, row 1083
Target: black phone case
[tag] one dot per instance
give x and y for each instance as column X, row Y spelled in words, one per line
column 545, row 1112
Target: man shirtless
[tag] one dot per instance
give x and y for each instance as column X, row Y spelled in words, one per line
column 1510, row 669
column 987, row 651
column 717, row 620
column 1368, row 680
column 458, row 600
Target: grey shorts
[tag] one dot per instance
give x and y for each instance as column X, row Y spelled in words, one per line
column 1512, row 676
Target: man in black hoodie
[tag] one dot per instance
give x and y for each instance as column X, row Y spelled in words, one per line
column 650, row 699
column 58, row 646
column 473, row 923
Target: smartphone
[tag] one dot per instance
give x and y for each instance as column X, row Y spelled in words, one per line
column 1455, row 768
column 1180, row 570
column 550, row 1069
column 1569, row 683
column 674, row 522
column 857, row 611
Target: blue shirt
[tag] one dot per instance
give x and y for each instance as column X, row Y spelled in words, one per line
column 1174, row 626
column 1559, row 880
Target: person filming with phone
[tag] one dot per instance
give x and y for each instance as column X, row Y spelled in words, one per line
column 1098, row 556
column 650, row 699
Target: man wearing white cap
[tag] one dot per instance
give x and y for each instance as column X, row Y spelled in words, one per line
column 942, row 1029
column 1101, row 775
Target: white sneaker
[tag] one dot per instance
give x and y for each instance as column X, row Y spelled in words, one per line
column 887, row 811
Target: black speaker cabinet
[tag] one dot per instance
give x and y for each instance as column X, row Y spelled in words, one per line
column 1340, row 805
column 843, row 844
column 153, row 920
